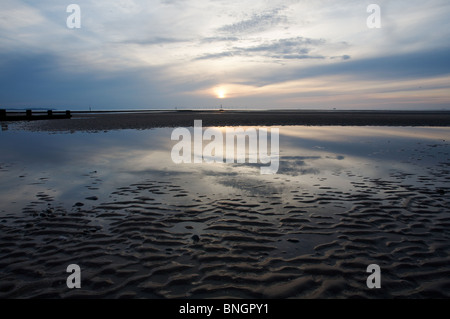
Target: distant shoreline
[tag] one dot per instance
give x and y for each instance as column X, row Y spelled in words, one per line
column 117, row 120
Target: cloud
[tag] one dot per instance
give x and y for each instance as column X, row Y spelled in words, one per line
column 39, row 80
column 173, row 52
column 341, row 57
column 257, row 23
column 212, row 56
column 287, row 45
column 292, row 48
column 219, row 39
column 421, row 64
column 154, row 41
column 426, row 63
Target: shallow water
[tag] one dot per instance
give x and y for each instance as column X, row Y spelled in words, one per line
column 141, row 226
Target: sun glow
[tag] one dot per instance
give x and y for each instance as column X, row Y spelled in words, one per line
column 220, row 92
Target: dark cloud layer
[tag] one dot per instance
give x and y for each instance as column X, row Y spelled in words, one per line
column 39, row 80
column 421, row 64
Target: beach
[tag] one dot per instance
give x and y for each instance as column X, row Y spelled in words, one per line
column 352, row 189
column 98, row 121
column 254, row 153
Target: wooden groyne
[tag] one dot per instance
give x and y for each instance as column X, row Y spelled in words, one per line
column 29, row 115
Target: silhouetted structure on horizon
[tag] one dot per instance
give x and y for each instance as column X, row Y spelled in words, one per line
column 29, row 116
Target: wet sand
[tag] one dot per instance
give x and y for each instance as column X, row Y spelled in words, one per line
column 146, row 120
column 156, row 239
column 160, row 237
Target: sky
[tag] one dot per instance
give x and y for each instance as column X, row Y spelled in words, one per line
column 199, row 54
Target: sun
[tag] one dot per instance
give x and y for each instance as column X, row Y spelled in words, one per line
column 220, row 92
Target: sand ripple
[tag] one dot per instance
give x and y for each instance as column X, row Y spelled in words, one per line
column 159, row 240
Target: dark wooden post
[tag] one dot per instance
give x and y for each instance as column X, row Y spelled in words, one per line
column 29, row 114
column 50, row 113
column 2, row 114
